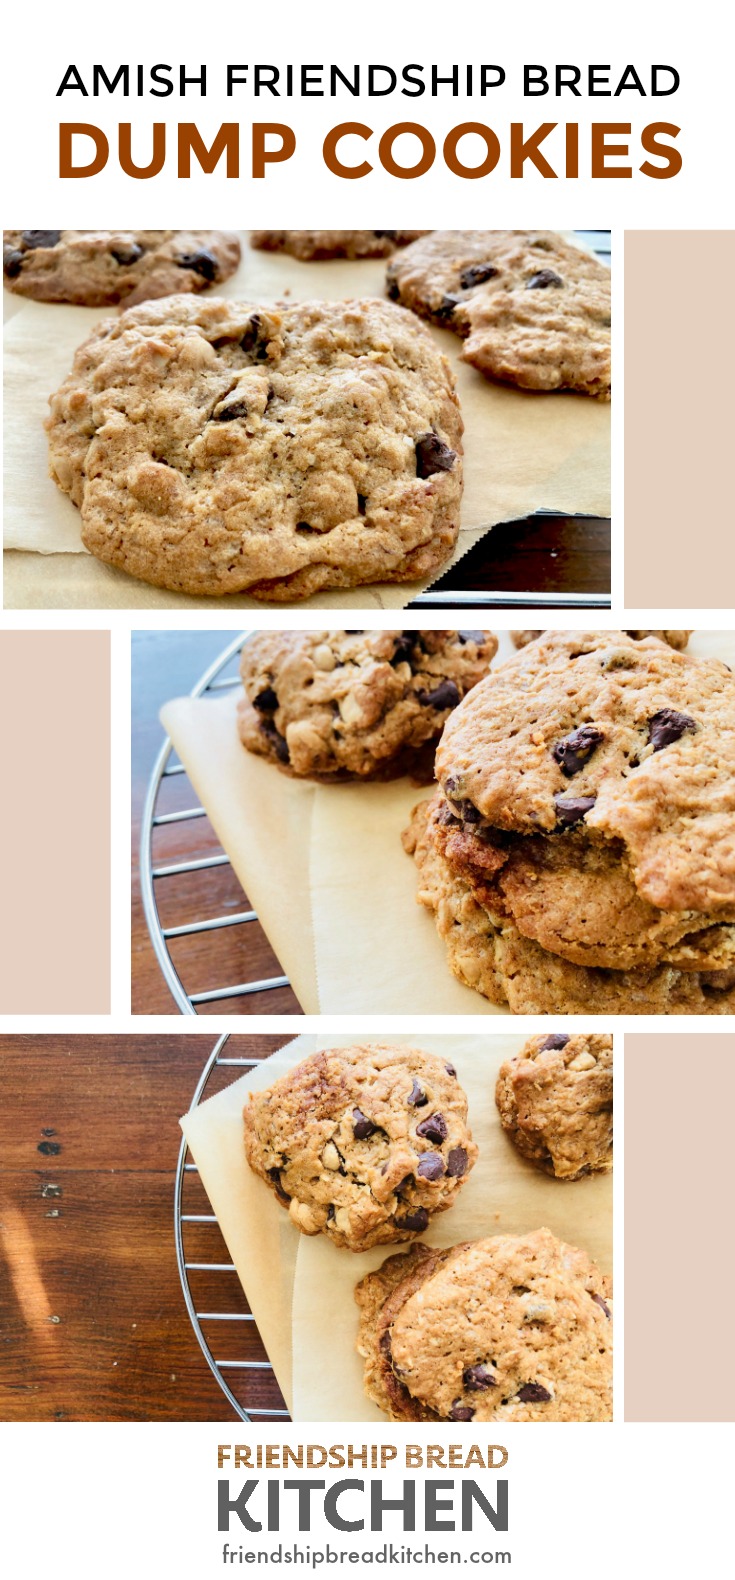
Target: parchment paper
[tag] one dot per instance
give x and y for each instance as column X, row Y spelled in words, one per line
column 324, row 867
column 523, row 451
column 301, row 1289
column 259, row 1236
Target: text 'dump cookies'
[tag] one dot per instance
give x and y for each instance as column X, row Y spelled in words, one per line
column 555, row 1101
column 217, row 447
column 579, row 854
column 512, row 1328
column 362, row 1144
column 532, row 309
column 95, row 268
column 335, row 705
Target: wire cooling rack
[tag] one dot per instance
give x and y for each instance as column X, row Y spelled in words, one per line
column 226, row 1334
column 221, row 675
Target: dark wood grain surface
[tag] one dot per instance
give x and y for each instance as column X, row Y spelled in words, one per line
column 93, row 1325
column 168, row 664
column 544, row 554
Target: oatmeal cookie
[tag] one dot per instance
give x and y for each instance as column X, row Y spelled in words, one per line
column 555, row 1100
column 308, row 244
column 511, row 1328
column 355, row 704
column 214, row 447
column 486, row 951
column 362, row 1144
column 532, row 309
column 95, row 268
column 622, row 740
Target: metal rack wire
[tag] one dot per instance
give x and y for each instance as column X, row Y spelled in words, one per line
column 204, row 1323
column 213, row 682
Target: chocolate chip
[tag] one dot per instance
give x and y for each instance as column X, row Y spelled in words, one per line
column 417, row 1097
column 277, row 740
column 361, row 504
column 445, row 695
column 255, row 338
column 668, row 726
column 393, row 291
column 477, row 1378
column 451, row 1070
column 533, row 1393
column 201, row 263
column 433, row 1128
column 431, row 1166
column 457, row 1163
column 572, row 808
column 574, row 750
column 362, row 1127
column 12, row 263
column 472, row 636
column 460, row 1411
column 601, row 1303
column 274, row 1176
column 433, row 455
column 446, row 306
column 41, row 238
column 451, row 784
column 404, row 648
column 475, row 273
column 266, row 700
column 125, row 255
column 390, row 235
column 558, row 1039
column 469, row 812
column 417, row 1220
column 238, row 408
column 446, row 816
column 544, row 278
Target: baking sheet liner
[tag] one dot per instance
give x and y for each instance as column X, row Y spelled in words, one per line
column 324, row 867
column 301, row 1289
column 523, row 451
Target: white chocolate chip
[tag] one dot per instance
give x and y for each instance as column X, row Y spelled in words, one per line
column 342, row 1220
column 324, row 657
column 330, row 1156
column 350, row 709
column 582, row 1061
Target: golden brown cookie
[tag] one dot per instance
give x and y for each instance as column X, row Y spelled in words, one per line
column 555, row 1100
column 96, row 268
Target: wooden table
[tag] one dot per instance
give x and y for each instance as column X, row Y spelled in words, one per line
column 548, row 554
column 93, row 1325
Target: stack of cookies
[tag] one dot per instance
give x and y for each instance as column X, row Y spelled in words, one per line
column 579, row 853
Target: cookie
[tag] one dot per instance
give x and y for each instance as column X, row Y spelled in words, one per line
column 577, row 898
column 335, row 705
column 626, row 741
column 532, row 309
column 96, row 268
column 362, row 1144
column 677, row 639
column 555, row 1100
column 490, row 955
column 215, row 447
column 511, row 1328
column 308, row 244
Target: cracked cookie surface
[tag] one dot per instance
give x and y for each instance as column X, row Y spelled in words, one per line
column 555, row 1100
column 214, row 446
column 532, row 309
column 677, row 639
column 355, row 704
column 317, row 244
column 362, row 1144
column 95, row 268
column 511, row 1328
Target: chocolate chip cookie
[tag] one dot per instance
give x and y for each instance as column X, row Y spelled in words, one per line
column 308, row 244
column 214, row 446
column 487, row 951
column 335, row 705
column 512, row 1328
column 362, row 1144
column 628, row 742
column 677, row 639
column 95, row 268
column 532, row 309
column 555, row 1100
